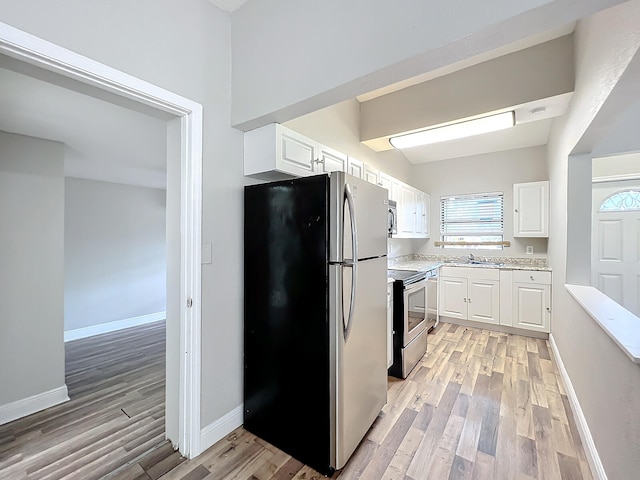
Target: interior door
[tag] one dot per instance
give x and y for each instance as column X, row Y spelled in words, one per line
column 615, row 245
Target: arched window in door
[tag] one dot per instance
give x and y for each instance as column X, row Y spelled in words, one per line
column 622, row 201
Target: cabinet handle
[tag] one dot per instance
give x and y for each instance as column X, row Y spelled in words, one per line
column 516, row 210
column 549, row 309
column 531, row 277
column 465, row 300
column 469, row 300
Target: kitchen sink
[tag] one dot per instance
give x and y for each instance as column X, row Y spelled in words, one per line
column 466, row 261
column 486, row 264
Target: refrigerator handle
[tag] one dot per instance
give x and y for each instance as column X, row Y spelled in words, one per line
column 352, row 263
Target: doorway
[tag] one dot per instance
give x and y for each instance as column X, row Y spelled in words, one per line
column 184, row 207
column 615, row 264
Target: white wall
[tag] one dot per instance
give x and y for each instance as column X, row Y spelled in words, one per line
column 628, row 164
column 606, row 382
column 292, row 57
column 31, row 266
column 115, row 259
column 184, row 47
column 491, row 172
column 338, row 127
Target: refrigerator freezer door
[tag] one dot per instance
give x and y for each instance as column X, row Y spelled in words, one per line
column 359, row 387
column 371, row 216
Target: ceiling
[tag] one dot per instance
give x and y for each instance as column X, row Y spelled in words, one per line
column 533, row 78
column 115, row 143
column 228, row 5
column 103, row 141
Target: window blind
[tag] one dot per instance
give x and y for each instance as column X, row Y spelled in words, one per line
column 477, row 215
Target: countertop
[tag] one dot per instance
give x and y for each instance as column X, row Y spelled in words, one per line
column 429, row 262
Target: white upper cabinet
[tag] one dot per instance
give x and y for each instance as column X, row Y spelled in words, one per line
column 385, row 182
column 355, row 167
column 413, row 211
column 276, row 152
column 407, row 211
column 330, row 160
column 531, row 209
column 371, row 174
column 423, row 204
column 275, row 149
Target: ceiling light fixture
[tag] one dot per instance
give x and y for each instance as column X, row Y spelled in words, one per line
column 469, row 128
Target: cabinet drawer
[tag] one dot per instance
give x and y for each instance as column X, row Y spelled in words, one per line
column 476, row 273
column 532, row 276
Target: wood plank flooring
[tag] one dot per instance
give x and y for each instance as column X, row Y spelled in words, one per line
column 115, row 415
column 480, row 405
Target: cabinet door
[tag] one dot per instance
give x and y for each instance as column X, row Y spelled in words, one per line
column 422, row 214
column 371, row 174
column 394, row 193
column 452, row 294
column 531, row 209
column 407, row 211
column 385, row 182
column 483, row 301
column 330, row 160
column 531, row 306
column 355, row 167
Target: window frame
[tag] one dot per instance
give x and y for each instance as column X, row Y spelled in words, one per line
column 494, row 235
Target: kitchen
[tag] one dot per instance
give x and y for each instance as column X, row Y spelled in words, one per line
column 227, row 143
column 517, row 289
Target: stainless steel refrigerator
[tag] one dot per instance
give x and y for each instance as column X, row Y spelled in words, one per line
column 315, row 368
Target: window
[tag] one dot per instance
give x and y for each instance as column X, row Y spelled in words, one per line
column 472, row 221
column 621, row 201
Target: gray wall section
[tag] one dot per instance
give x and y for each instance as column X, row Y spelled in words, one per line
column 184, row 47
column 491, row 172
column 606, row 382
column 115, row 259
column 31, row 266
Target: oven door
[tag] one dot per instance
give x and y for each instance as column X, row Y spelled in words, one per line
column 415, row 310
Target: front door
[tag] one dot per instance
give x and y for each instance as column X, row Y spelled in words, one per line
column 615, row 245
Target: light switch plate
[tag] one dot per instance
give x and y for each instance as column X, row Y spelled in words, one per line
column 529, row 250
column 206, row 253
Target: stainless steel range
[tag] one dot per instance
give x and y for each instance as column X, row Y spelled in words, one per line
column 413, row 317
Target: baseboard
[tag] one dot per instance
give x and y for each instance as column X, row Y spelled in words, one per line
column 597, row 469
column 220, row 428
column 113, row 326
column 494, row 327
column 21, row 408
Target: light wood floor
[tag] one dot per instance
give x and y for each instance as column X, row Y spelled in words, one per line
column 115, row 415
column 480, row 405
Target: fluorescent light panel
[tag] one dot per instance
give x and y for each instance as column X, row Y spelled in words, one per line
column 453, row 131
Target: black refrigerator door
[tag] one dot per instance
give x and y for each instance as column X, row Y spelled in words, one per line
column 286, row 331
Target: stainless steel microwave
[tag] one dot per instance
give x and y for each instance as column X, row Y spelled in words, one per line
column 393, row 218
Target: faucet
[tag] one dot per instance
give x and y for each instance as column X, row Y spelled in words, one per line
column 471, row 257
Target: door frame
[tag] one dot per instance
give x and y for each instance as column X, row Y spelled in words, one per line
column 35, row 51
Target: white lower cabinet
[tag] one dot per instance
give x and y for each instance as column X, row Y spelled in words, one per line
column 453, row 295
column 531, row 300
column 466, row 295
column 518, row 298
column 483, row 303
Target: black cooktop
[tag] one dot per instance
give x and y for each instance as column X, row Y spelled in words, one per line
column 406, row 276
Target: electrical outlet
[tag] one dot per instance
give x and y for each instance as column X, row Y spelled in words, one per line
column 529, row 250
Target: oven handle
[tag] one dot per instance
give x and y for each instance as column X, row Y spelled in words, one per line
column 415, row 286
